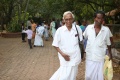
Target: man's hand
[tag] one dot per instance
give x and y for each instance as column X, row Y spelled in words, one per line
column 66, row 57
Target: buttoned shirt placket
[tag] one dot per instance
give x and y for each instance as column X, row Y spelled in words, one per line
column 95, row 39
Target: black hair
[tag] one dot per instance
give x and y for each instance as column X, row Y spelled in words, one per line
column 22, row 24
column 99, row 12
column 29, row 27
column 53, row 19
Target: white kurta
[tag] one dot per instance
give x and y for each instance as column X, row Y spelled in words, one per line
column 52, row 25
column 46, row 33
column 38, row 37
column 67, row 41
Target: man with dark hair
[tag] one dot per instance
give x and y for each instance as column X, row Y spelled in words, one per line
column 83, row 26
column 98, row 41
column 38, row 37
column 23, row 33
column 99, row 12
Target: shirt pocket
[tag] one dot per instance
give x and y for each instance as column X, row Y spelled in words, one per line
column 75, row 40
column 102, row 43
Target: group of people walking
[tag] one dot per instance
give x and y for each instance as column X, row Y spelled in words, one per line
column 67, row 45
column 35, row 33
column 39, row 30
column 95, row 37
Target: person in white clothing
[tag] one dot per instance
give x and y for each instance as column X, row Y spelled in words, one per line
column 29, row 36
column 46, row 33
column 23, row 33
column 66, row 43
column 98, row 39
column 52, row 27
column 38, row 37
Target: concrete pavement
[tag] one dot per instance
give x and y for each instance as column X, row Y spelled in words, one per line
column 18, row 62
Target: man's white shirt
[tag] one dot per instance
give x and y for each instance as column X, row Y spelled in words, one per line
column 67, row 41
column 96, row 45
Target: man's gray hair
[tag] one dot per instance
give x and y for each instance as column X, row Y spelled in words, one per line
column 68, row 12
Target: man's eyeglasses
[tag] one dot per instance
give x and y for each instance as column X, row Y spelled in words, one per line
column 70, row 19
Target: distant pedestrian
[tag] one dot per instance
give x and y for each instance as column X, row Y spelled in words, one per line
column 52, row 27
column 29, row 36
column 46, row 32
column 38, row 37
column 23, row 33
column 83, row 26
column 33, row 27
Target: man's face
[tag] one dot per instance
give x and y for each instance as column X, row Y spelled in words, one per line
column 68, row 20
column 99, row 19
column 84, row 23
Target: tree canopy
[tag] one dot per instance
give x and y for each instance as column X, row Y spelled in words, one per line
column 47, row 9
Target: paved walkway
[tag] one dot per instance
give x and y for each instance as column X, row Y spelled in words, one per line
column 18, row 62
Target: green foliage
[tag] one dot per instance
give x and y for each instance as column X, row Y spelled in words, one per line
column 47, row 9
column 15, row 25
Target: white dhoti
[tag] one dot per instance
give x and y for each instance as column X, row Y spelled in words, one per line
column 94, row 70
column 53, row 33
column 65, row 73
column 38, row 40
column 38, row 37
column 68, row 69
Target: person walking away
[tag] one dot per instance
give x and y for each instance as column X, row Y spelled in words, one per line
column 52, row 27
column 83, row 27
column 28, row 22
column 98, row 39
column 38, row 37
column 29, row 36
column 46, row 32
column 66, row 44
column 33, row 27
column 23, row 33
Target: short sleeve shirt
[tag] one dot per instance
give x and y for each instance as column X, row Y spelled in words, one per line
column 67, row 41
column 96, row 45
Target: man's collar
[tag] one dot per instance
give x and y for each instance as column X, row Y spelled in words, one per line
column 102, row 29
column 73, row 27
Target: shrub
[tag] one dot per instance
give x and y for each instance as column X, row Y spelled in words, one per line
column 13, row 27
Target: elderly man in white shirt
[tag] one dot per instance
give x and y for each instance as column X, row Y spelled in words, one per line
column 98, row 39
column 66, row 43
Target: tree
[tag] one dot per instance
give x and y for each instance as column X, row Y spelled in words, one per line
column 47, row 9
